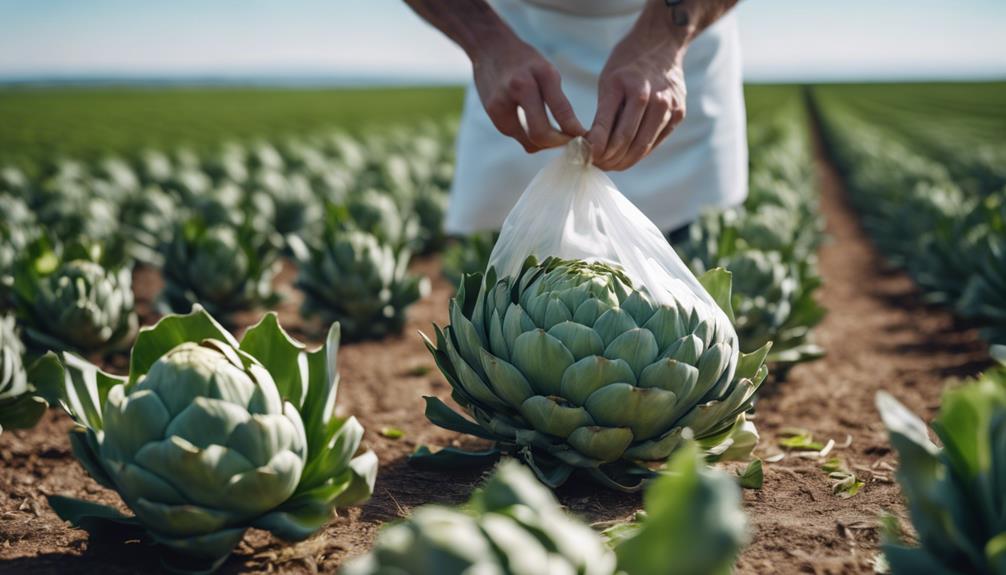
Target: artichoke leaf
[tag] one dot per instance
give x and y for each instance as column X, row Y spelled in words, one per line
column 153, row 342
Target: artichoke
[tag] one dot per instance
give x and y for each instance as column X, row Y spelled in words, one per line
column 692, row 525
column 955, row 494
column 430, row 206
column 351, row 277
column 294, row 205
column 221, row 267
column 66, row 300
column 378, row 214
column 208, row 436
column 148, row 218
column 512, row 525
column 19, row 406
column 570, row 367
column 771, row 303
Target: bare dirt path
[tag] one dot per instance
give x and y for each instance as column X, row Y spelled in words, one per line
column 877, row 334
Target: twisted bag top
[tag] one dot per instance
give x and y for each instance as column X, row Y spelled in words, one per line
column 572, row 210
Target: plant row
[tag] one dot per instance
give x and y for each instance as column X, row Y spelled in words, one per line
column 950, row 239
column 350, row 211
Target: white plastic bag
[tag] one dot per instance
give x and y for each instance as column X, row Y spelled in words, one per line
column 572, row 210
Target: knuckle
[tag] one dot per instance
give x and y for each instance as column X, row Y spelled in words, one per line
column 663, row 101
column 517, row 84
column 547, row 71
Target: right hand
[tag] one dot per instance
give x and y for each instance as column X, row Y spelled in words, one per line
column 511, row 73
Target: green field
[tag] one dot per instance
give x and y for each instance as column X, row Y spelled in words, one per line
column 44, row 124
column 40, row 124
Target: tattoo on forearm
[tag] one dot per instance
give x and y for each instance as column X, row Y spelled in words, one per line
column 679, row 15
column 696, row 13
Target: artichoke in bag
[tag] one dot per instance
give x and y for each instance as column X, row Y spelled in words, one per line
column 569, row 367
column 955, row 494
column 350, row 276
column 208, row 436
column 221, row 267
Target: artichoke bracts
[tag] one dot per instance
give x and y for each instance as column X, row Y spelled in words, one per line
column 67, row 301
column 20, row 407
column 956, row 494
column 511, row 525
column 568, row 367
column 224, row 268
column 209, row 436
column 693, row 525
column 352, row 277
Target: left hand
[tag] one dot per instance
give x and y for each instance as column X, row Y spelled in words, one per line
column 641, row 99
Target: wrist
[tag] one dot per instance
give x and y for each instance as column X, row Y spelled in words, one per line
column 490, row 39
column 660, row 29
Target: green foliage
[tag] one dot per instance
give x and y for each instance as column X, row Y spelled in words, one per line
column 74, row 298
column 223, row 267
column 90, row 123
column 926, row 171
column 692, row 525
column 467, row 255
column 356, row 278
column 954, row 493
column 20, row 404
column 568, row 367
column 208, row 436
column 769, row 243
column 511, row 525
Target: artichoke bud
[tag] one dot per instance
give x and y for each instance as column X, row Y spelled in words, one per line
column 572, row 351
column 84, row 306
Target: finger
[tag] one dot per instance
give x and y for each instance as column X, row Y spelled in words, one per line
column 656, row 117
column 503, row 114
column 555, row 99
column 539, row 130
column 677, row 116
column 626, row 128
column 608, row 102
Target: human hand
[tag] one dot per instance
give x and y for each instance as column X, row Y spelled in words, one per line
column 641, row 99
column 511, row 73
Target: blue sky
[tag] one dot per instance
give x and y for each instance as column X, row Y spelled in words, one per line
column 783, row 39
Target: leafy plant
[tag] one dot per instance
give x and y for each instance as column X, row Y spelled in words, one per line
column 568, row 367
column 221, row 267
column 66, row 299
column 20, row 404
column 467, row 255
column 352, row 277
column 955, row 493
column 693, row 525
column 208, row 436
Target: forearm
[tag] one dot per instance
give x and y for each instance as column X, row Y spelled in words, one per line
column 471, row 24
column 665, row 24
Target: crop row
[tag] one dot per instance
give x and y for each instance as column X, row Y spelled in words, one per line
column 948, row 233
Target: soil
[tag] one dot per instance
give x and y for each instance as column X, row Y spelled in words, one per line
column 878, row 335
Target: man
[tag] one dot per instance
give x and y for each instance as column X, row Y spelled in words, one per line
column 628, row 64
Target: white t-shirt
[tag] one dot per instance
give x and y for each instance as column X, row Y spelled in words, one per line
column 702, row 164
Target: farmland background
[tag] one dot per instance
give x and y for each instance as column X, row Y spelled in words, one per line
column 871, row 249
